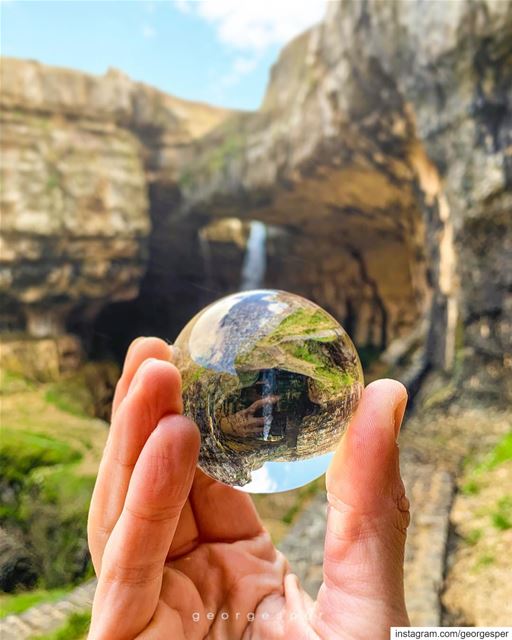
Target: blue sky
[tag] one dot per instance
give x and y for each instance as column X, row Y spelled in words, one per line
column 217, row 51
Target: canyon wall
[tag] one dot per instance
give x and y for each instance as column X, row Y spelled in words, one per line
column 380, row 161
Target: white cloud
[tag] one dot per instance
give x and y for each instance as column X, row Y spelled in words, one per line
column 261, row 481
column 241, row 66
column 148, row 31
column 251, row 27
column 254, row 25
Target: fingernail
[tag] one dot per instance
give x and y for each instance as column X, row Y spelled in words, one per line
column 129, row 352
column 136, row 378
column 399, row 415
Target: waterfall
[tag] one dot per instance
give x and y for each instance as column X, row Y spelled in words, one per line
column 269, row 389
column 255, row 259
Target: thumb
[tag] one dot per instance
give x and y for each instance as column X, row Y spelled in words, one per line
column 368, row 516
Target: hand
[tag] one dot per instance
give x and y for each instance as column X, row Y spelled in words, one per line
column 244, row 422
column 180, row 556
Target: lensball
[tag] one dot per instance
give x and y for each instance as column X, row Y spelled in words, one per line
column 272, row 380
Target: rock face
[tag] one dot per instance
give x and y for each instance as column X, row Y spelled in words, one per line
column 380, row 162
column 77, row 156
column 384, row 143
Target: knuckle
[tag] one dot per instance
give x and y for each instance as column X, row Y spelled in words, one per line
column 133, row 574
column 155, row 514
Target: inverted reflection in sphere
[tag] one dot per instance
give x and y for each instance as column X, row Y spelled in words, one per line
column 272, row 380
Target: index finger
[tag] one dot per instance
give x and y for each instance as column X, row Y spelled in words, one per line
column 141, row 349
column 133, row 562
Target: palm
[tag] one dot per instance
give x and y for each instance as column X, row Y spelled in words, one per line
column 218, row 570
column 179, row 555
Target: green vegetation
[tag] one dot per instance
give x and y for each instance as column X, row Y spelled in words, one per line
column 11, row 382
column 76, row 627
column 484, row 560
column 302, row 343
column 70, row 396
column 23, row 451
column 475, row 472
column 502, row 452
column 473, row 536
column 502, row 516
column 52, row 182
column 49, row 452
column 324, row 373
column 303, row 322
column 231, row 146
column 470, row 488
column 19, row 602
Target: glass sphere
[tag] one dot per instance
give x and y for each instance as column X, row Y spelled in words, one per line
column 272, row 380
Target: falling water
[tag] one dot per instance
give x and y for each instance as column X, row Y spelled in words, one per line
column 255, row 259
column 269, row 383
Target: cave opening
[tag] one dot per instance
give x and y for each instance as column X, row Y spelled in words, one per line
column 372, row 279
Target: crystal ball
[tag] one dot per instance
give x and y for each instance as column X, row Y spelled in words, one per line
column 272, row 380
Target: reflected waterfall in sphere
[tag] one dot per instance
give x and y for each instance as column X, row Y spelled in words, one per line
column 255, row 259
column 272, row 380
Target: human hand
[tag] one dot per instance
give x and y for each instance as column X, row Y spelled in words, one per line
column 181, row 556
column 245, row 423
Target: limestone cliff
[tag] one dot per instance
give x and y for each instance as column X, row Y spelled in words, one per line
column 384, row 145
column 380, row 161
column 78, row 153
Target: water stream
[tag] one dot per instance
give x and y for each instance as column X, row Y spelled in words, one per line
column 255, row 259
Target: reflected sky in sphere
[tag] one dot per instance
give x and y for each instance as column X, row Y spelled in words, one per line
column 272, row 380
column 284, row 476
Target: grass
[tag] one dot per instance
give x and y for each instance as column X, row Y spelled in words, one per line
column 485, row 560
column 500, row 454
column 76, row 627
column 330, row 378
column 70, row 396
column 14, row 603
column 470, row 488
column 303, row 322
column 11, row 382
column 501, row 517
column 474, row 536
column 49, row 458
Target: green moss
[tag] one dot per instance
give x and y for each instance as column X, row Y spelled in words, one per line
column 22, row 451
column 76, row 626
column 19, row 602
